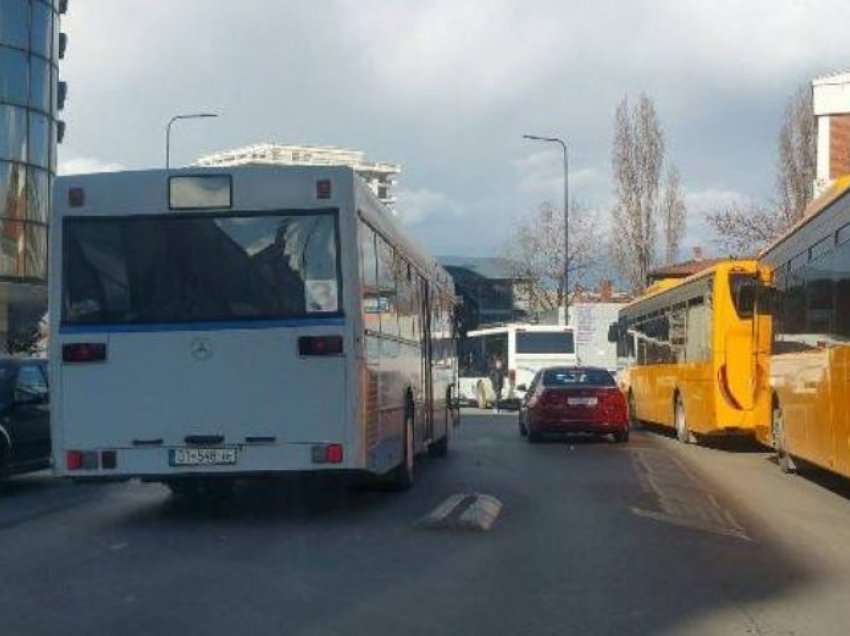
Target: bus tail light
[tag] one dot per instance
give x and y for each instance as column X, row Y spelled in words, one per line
column 81, row 460
column 327, row 454
column 108, row 460
column 320, row 345
column 84, row 352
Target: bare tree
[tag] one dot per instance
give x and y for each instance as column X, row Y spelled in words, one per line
column 537, row 252
column 673, row 213
column 797, row 156
column 637, row 161
column 746, row 228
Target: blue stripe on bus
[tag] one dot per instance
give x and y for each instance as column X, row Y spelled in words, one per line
column 201, row 326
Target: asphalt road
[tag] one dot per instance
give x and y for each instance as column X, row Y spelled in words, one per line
column 593, row 538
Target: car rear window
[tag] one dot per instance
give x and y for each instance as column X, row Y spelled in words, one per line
column 578, row 377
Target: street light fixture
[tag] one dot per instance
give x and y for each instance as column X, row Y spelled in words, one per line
column 563, row 145
column 168, row 131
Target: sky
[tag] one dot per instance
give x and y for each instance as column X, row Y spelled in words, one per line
column 447, row 88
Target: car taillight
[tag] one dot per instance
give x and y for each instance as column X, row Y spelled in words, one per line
column 551, row 398
column 614, row 405
column 84, row 352
column 320, row 345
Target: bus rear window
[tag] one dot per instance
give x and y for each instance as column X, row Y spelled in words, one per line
column 743, row 288
column 544, row 342
column 182, row 268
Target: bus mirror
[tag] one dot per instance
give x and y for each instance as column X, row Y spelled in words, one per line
column 613, row 332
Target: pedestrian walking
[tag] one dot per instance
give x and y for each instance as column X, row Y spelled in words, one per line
column 497, row 378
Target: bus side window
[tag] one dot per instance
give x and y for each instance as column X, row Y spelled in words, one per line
column 369, row 279
column 387, row 298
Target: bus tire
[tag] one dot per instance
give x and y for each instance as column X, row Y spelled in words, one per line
column 777, row 428
column 683, row 433
column 401, row 477
column 634, row 422
column 440, row 448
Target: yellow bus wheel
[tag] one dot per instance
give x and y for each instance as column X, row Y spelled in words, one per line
column 683, row 433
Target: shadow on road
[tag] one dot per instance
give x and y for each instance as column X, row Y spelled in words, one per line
column 20, row 485
column 827, row 480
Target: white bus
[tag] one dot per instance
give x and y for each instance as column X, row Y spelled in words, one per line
column 209, row 324
column 524, row 348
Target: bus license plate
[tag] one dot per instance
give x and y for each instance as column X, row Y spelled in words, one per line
column 202, row 456
column 587, row 401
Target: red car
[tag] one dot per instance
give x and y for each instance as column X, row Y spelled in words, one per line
column 574, row 400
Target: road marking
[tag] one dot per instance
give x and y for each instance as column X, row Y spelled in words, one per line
column 680, row 497
column 464, row 511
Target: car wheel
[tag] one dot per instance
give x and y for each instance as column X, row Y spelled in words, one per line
column 532, row 436
column 785, row 461
column 683, row 433
column 521, row 425
column 621, row 437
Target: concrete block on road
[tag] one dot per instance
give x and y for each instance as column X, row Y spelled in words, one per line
column 464, row 511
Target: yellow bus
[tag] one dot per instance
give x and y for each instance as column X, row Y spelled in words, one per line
column 810, row 355
column 696, row 353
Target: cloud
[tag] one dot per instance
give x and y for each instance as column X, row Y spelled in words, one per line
column 85, row 165
column 417, row 206
column 541, row 175
column 448, row 89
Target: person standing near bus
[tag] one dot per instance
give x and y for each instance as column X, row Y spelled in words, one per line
column 497, row 378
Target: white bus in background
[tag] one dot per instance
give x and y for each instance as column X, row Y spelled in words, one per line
column 209, row 324
column 524, row 349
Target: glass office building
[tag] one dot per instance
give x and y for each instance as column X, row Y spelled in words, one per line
column 31, row 96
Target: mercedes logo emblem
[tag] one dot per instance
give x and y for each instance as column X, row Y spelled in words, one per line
column 201, row 349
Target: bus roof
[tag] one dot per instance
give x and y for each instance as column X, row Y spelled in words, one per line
column 821, row 217
column 492, row 331
column 670, row 286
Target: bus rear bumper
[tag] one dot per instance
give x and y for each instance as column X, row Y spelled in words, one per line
column 159, row 463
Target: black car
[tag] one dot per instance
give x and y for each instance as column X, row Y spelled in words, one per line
column 24, row 415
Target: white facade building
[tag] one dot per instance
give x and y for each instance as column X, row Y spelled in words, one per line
column 380, row 175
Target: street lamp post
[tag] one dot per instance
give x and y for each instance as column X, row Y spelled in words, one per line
column 168, row 132
column 563, row 145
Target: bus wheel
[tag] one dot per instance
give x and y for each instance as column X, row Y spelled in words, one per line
column 440, row 448
column 634, row 422
column 402, row 475
column 786, row 463
column 683, row 433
